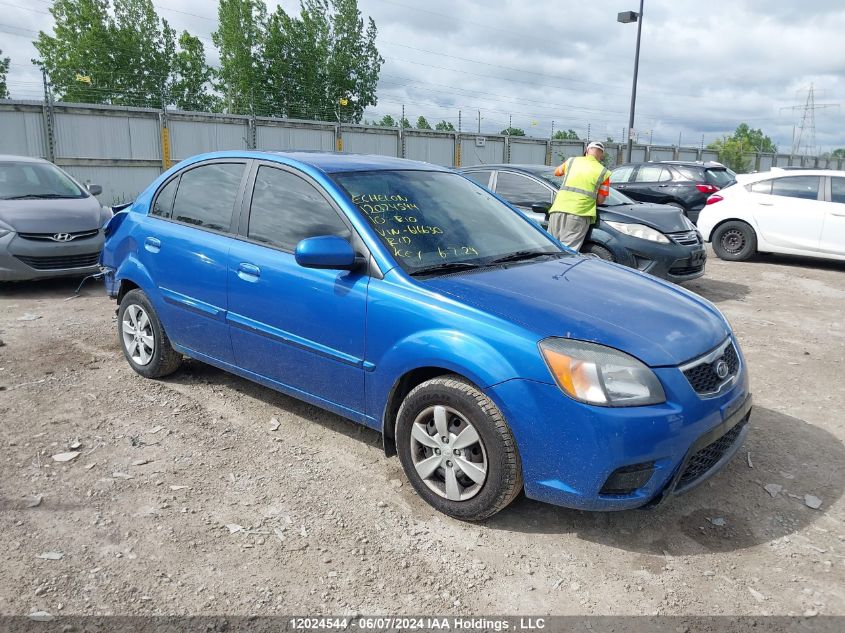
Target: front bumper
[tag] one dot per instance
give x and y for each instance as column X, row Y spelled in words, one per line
column 569, row 450
column 25, row 259
column 674, row 262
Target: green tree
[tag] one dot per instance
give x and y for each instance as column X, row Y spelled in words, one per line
column 404, row 123
column 838, row 153
column 4, row 69
column 142, row 52
column 731, row 149
column 570, row 134
column 386, row 121
column 445, row 126
column 513, row 131
column 103, row 52
column 192, row 77
column 78, row 58
column 239, row 37
column 422, row 124
column 353, row 63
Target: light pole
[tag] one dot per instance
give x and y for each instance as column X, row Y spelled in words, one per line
column 626, row 17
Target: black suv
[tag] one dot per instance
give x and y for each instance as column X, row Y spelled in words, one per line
column 685, row 185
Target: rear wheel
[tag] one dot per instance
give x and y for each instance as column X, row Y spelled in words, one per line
column 734, row 241
column 598, row 251
column 142, row 337
column 457, row 450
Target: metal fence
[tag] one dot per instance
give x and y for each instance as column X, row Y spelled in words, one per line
column 124, row 149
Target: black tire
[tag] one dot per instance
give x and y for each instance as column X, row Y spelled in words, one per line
column 503, row 480
column 599, row 251
column 734, row 241
column 164, row 360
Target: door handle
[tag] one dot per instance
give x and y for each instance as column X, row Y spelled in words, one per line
column 249, row 272
column 152, row 244
column 662, row 186
column 838, row 215
column 766, row 204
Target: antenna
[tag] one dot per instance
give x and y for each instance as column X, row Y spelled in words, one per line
column 806, row 135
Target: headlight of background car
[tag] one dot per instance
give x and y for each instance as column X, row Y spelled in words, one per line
column 4, row 232
column 601, row 375
column 641, row 231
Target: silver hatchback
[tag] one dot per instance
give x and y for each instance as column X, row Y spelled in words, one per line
column 50, row 225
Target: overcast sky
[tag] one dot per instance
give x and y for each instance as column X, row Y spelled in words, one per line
column 704, row 67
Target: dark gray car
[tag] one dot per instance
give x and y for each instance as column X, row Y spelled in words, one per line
column 50, row 225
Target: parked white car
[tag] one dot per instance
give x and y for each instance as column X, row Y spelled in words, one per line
column 796, row 212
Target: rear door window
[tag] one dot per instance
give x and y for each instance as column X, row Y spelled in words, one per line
column 480, row 177
column 163, row 205
column 653, row 173
column 837, row 190
column 622, row 174
column 206, row 195
column 521, row 190
column 805, row 187
column 763, row 186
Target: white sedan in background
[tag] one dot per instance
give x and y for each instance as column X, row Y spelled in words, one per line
column 796, row 212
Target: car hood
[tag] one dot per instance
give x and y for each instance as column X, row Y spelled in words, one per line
column 663, row 217
column 66, row 215
column 592, row 300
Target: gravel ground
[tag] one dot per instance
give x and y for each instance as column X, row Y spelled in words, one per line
column 185, row 500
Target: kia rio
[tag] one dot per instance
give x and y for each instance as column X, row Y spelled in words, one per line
column 404, row 297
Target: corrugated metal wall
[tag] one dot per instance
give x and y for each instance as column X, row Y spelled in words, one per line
column 430, row 148
column 121, row 148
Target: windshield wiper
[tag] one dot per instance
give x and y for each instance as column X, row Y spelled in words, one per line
column 443, row 268
column 522, row 256
column 38, row 196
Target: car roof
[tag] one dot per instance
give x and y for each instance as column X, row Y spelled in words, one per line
column 531, row 169
column 710, row 164
column 777, row 172
column 11, row 158
column 329, row 162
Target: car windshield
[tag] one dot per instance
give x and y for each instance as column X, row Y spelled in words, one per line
column 434, row 219
column 36, row 180
column 615, row 198
column 720, row 177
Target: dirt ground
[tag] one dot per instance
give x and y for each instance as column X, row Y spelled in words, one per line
column 184, row 500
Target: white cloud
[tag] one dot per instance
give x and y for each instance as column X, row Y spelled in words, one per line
column 704, row 68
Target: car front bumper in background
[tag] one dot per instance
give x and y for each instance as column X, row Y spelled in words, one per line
column 605, row 458
column 24, row 259
column 674, row 262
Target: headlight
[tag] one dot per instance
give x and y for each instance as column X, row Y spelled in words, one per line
column 641, row 231
column 600, row 375
column 4, row 232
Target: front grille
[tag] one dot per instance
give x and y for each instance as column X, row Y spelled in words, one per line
column 687, row 238
column 685, row 270
column 703, row 377
column 705, row 459
column 50, row 237
column 62, row 262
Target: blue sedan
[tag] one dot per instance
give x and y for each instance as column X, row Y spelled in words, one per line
column 404, row 297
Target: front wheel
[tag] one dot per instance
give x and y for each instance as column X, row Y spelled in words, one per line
column 457, row 450
column 598, row 251
column 734, row 241
column 142, row 337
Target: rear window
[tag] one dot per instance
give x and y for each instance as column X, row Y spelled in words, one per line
column 719, row 177
column 690, row 173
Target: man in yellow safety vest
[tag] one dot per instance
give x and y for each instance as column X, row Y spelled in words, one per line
column 586, row 182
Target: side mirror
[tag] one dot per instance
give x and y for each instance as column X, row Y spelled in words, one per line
column 325, row 251
column 94, row 190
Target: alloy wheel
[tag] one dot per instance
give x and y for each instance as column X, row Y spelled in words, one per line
column 448, row 454
column 137, row 334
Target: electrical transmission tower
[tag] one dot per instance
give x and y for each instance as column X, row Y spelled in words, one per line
column 807, row 129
